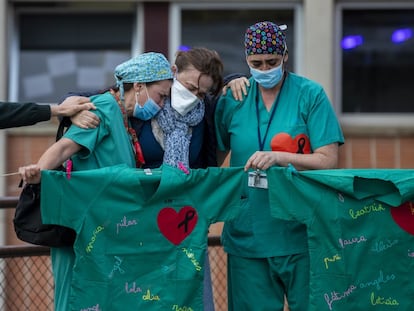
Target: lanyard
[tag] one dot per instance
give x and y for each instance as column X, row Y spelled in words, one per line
column 272, row 114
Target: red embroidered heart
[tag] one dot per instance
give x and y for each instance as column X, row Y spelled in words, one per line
column 403, row 216
column 285, row 142
column 177, row 226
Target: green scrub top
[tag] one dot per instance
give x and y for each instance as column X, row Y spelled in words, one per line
column 303, row 120
column 108, row 144
column 360, row 226
column 141, row 236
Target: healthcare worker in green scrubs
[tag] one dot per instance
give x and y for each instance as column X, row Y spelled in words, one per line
column 283, row 119
column 142, row 85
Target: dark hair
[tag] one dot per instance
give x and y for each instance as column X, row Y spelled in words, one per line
column 127, row 87
column 206, row 61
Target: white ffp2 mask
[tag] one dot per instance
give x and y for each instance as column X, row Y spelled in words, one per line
column 182, row 100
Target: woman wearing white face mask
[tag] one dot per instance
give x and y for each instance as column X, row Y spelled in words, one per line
column 184, row 111
column 197, row 73
column 282, row 119
column 183, row 120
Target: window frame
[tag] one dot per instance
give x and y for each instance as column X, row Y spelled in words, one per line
column 366, row 123
column 175, row 15
column 14, row 48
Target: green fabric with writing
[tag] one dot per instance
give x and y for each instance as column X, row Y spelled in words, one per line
column 141, row 237
column 360, row 226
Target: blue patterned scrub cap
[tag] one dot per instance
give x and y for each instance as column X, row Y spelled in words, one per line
column 146, row 67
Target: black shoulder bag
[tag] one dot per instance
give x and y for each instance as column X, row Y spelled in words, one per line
column 28, row 220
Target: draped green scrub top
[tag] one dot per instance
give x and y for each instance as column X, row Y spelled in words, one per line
column 360, row 225
column 141, row 236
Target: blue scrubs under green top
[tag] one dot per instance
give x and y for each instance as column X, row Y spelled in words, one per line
column 141, row 236
column 303, row 121
column 360, row 225
column 108, row 144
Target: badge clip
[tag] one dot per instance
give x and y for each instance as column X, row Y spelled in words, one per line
column 257, row 179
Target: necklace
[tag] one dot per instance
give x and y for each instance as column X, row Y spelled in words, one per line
column 139, row 156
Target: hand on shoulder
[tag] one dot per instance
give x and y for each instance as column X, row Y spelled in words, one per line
column 72, row 105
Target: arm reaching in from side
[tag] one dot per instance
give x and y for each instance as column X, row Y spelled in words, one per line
column 78, row 109
column 71, row 106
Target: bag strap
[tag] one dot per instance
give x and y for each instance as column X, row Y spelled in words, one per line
column 64, row 125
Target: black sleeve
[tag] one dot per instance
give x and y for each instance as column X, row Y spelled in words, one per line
column 209, row 149
column 232, row 76
column 22, row 114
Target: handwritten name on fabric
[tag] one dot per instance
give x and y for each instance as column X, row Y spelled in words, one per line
column 141, row 239
column 360, row 226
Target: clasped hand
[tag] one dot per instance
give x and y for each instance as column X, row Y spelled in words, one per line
column 261, row 160
column 30, row 173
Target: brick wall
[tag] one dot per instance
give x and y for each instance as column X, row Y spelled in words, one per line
column 26, row 146
column 357, row 152
column 377, row 152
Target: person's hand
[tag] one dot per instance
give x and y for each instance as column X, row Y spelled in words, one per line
column 261, row 160
column 30, row 173
column 238, row 87
column 71, row 105
column 85, row 119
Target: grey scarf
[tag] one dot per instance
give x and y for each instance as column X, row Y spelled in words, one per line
column 177, row 133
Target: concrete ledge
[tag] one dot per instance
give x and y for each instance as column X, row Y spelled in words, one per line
column 387, row 125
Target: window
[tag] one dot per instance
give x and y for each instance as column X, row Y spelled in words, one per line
column 63, row 52
column 377, row 48
column 223, row 30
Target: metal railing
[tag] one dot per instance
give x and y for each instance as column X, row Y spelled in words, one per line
column 26, row 281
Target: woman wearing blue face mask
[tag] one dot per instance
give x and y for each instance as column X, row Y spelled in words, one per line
column 197, row 79
column 143, row 81
column 282, row 119
column 147, row 110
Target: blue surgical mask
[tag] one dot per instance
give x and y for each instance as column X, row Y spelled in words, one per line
column 268, row 78
column 148, row 110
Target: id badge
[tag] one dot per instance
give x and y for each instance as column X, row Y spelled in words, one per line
column 257, row 180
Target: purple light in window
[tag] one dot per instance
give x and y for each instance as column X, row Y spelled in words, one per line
column 401, row 35
column 184, row 48
column 351, row 42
